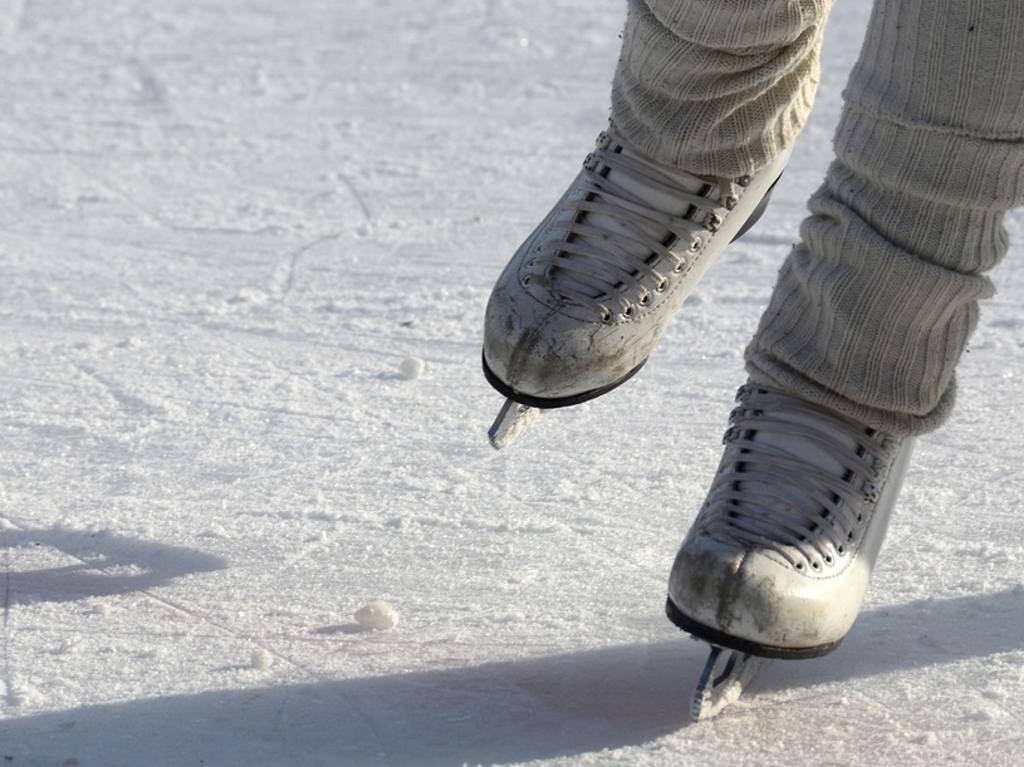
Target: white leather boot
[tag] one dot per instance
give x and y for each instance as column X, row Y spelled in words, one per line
column 778, row 560
column 586, row 298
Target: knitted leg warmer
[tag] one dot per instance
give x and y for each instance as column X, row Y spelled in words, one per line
column 873, row 309
column 717, row 86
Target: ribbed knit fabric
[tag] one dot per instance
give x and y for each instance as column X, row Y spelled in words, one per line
column 873, row 309
column 717, row 86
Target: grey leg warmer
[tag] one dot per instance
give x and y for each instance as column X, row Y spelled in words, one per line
column 873, row 310
column 717, row 86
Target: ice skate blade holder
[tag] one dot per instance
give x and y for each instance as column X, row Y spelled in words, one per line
column 726, row 674
column 521, row 410
column 732, row 663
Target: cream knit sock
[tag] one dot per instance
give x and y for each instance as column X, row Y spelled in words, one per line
column 872, row 311
column 717, row 86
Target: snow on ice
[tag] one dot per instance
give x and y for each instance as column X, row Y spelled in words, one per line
column 412, row 368
column 261, row 659
column 377, row 615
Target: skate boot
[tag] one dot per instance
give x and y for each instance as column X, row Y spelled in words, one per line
column 586, row 298
column 777, row 562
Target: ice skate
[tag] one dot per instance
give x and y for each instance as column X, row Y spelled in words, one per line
column 586, row 298
column 777, row 562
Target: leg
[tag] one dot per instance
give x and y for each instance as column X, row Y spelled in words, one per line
column 857, row 349
column 708, row 97
column 717, row 87
column 872, row 311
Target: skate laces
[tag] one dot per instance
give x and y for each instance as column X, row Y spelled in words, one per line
column 798, row 480
column 609, row 249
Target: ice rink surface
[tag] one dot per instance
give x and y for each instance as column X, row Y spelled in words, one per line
column 224, row 226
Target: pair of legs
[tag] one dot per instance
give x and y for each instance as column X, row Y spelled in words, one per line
column 873, row 309
column 857, row 349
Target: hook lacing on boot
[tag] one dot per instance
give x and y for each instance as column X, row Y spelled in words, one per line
column 610, row 250
column 797, row 479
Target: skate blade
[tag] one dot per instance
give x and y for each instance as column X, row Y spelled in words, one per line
column 513, row 420
column 726, row 674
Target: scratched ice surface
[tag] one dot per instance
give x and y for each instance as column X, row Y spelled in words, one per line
column 224, row 226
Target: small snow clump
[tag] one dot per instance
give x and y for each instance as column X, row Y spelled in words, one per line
column 261, row 659
column 412, row 368
column 377, row 616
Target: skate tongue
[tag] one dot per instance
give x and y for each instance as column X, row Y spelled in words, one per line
column 657, row 199
column 805, row 449
column 654, row 197
column 793, row 464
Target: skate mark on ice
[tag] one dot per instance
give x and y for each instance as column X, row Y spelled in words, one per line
column 1009, row 323
column 147, row 214
column 284, row 276
column 95, row 176
column 126, row 400
column 357, row 196
column 341, row 628
column 258, row 409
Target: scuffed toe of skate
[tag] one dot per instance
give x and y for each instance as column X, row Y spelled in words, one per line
column 746, row 599
column 541, row 352
column 705, row 580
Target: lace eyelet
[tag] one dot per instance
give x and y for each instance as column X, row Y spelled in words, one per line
column 645, row 299
column 828, row 559
column 799, row 565
column 743, row 180
column 730, row 201
column 629, row 312
column 678, row 268
column 816, row 565
column 841, row 549
column 606, row 316
column 526, row 281
column 696, row 245
column 661, row 286
column 714, row 223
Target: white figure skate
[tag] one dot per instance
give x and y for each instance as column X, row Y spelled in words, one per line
column 588, row 295
column 777, row 562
